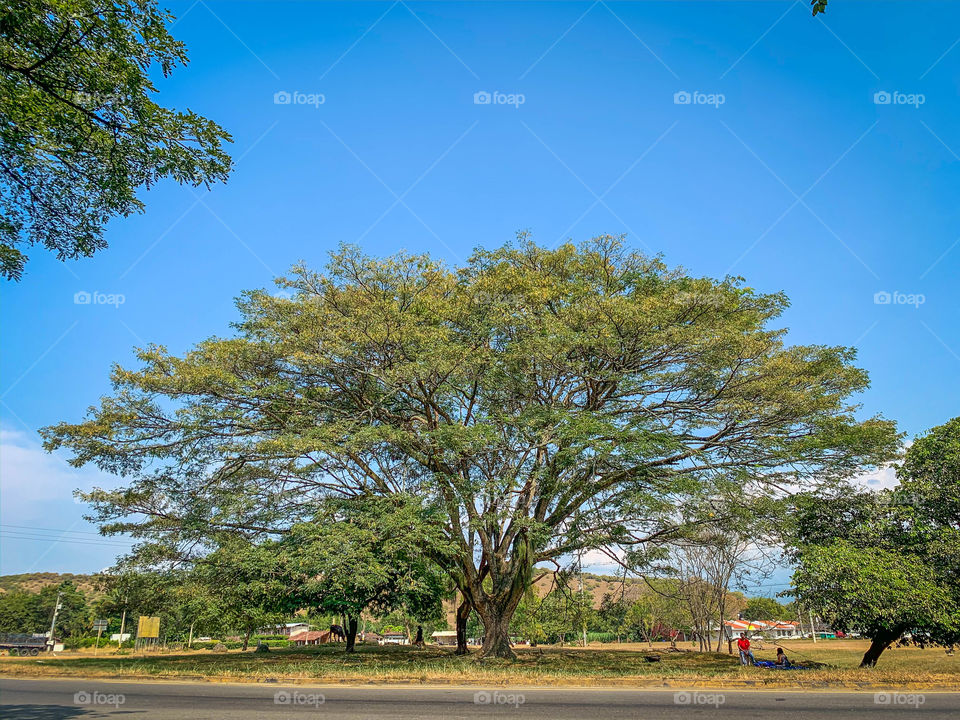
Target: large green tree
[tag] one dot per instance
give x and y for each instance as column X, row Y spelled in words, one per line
column 544, row 401
column 888, row 563
column 80, row 131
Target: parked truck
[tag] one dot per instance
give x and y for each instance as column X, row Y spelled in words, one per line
column 23, row 644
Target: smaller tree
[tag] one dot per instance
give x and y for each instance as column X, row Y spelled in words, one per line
column 612, row 614
column 249, row 583
column 20, row 612
column 764, row 608
column 366, row 553
column 887, row 563
column 74, row 618
column 881, row 593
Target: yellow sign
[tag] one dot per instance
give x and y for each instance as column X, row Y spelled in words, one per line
column 148, row 627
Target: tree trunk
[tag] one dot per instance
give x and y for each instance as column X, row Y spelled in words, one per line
column 246, row 639
column 496, row 635
column 351, row 634
column 880, row 642
column 496, row 608
column 463, row 616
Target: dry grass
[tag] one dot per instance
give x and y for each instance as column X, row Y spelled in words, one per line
column 597, row 665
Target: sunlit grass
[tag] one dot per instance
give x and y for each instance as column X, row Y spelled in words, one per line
column 609, row 665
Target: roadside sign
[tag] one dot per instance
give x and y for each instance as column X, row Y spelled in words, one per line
column 99, row 625
column 148, row 627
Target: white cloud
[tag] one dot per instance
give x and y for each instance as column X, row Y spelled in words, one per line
column 884, row 478
column 37, row 505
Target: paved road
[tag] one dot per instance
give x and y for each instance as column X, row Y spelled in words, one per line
column 66, row 699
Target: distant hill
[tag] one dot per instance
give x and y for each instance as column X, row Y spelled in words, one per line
column 34, row 582
column 594, row 585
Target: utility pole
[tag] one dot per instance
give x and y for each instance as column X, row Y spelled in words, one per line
column 51, row 641
column 123, row 622
column 582, row 611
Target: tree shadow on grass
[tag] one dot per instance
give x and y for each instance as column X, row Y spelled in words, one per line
column 51, row 712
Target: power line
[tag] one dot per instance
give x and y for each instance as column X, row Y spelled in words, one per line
column 11, row 535
column 58, row 530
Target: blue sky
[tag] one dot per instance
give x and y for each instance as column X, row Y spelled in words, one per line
column 787, row 167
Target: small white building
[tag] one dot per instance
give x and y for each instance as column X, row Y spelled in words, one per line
column 771, row 629
column 394, row 638
column 288, row 629
column 445, row 637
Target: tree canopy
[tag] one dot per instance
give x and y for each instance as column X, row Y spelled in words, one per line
column 80, row 131
column 888, row 563
column 542, row 401
column 763, row 608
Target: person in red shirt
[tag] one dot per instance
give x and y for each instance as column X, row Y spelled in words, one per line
column 744, row 645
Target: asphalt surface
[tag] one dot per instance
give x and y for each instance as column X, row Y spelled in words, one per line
column 64, row 699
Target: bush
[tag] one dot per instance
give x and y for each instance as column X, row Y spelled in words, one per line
column 604, row 637
column 236, row 644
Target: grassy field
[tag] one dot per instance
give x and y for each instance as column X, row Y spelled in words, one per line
column 600, row 665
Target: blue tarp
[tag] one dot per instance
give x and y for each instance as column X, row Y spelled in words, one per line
column 770, row 665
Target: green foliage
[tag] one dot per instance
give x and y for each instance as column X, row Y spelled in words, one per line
column 762, row 608
column 26, row 612
column 180, row 601
column 20, row 612
column 81, row 132
column 522, row 398
column 873, row 590
column 366, row 553
column 889, row 562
